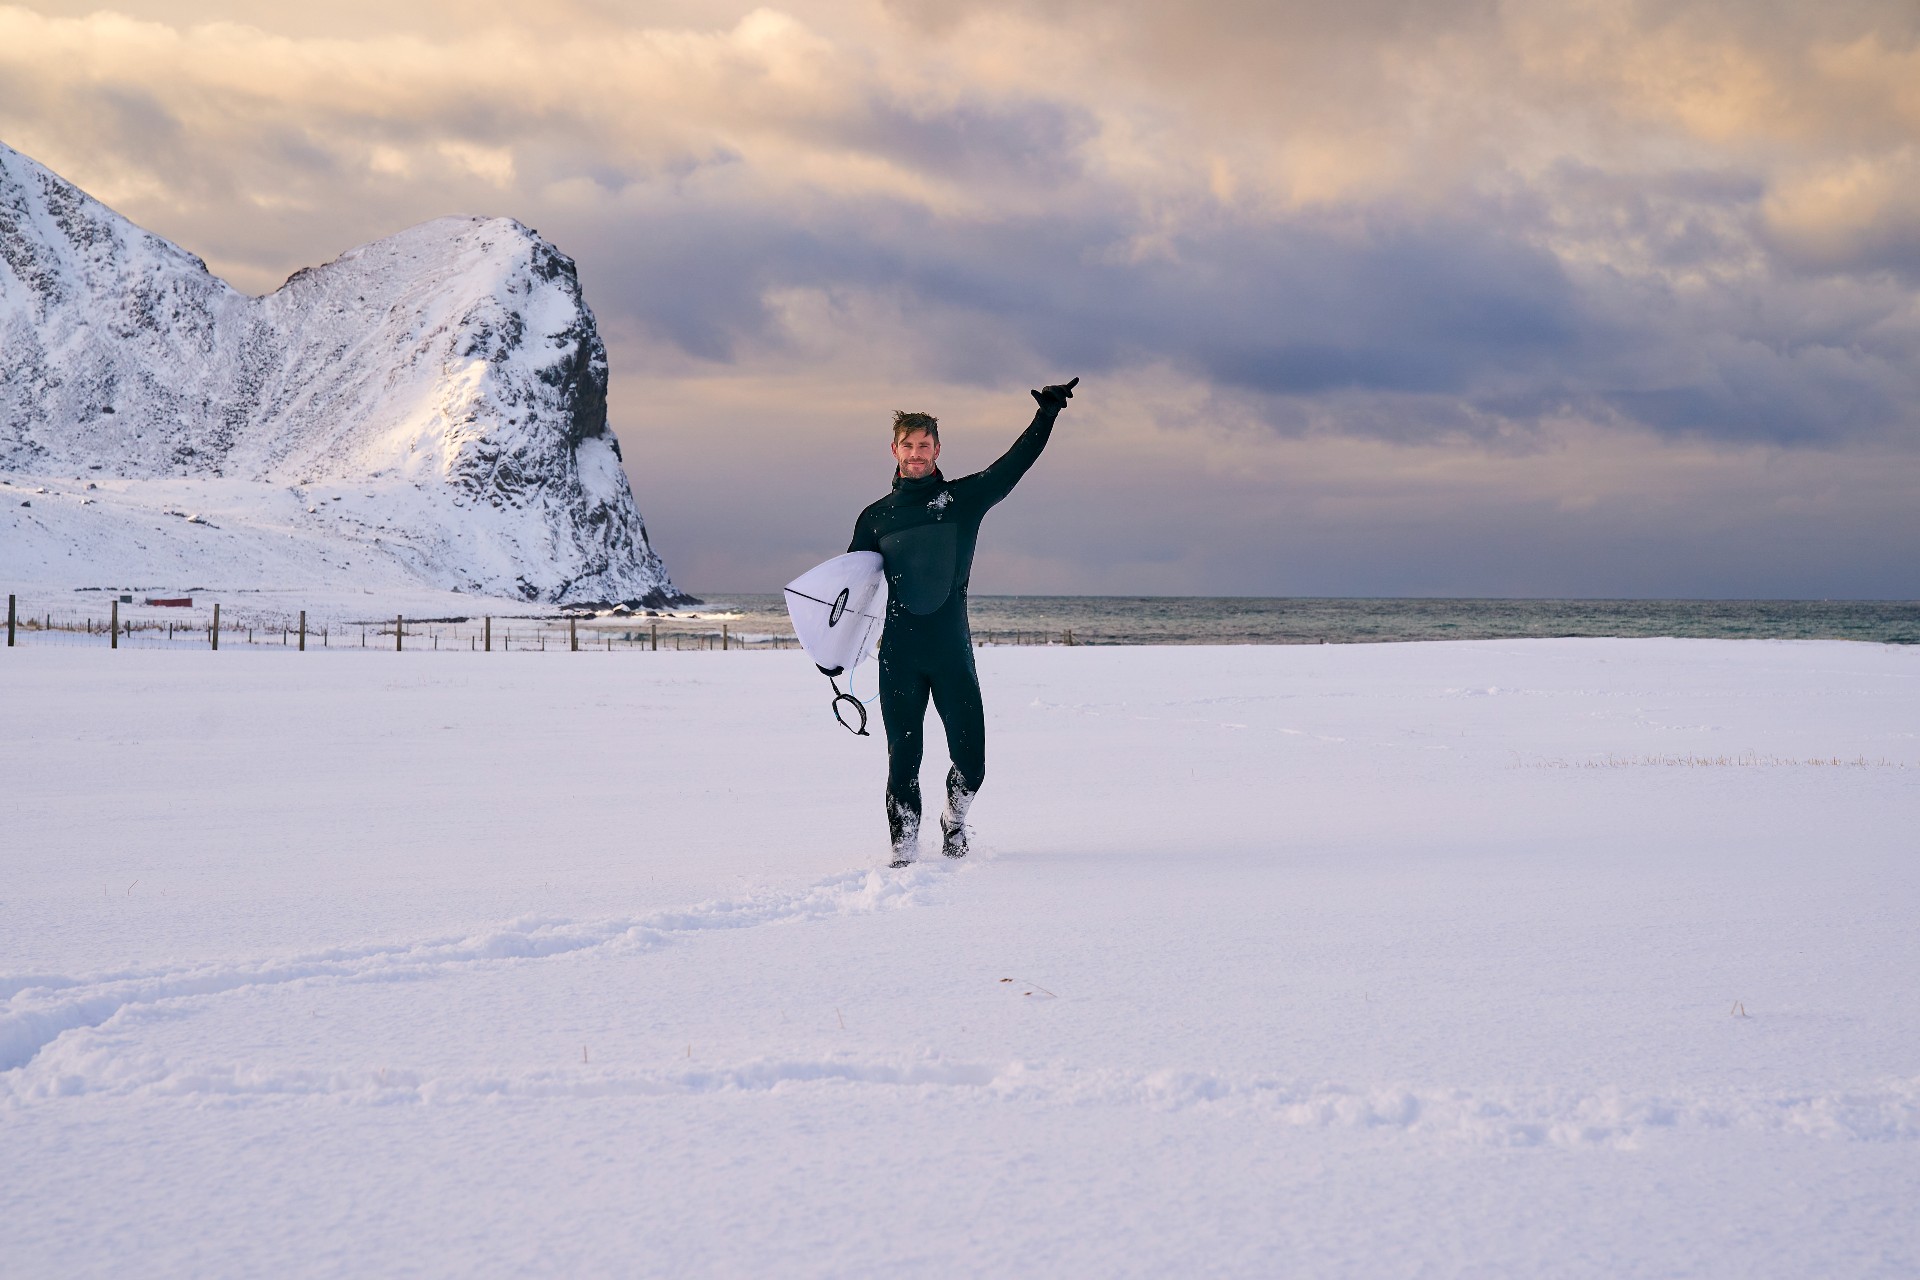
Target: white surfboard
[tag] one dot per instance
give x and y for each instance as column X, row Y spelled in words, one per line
column 838, row 609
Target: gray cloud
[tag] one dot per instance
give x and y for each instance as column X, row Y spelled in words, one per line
column 1684, row 235
column 1296, row 313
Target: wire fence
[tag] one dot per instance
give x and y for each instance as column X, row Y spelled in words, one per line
column 395, row 635
column 204, row 628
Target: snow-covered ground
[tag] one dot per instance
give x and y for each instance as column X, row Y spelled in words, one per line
column 1552, row 958
column 185, row 532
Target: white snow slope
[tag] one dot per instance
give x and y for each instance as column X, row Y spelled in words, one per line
column 448, row 383
column 1540, row 959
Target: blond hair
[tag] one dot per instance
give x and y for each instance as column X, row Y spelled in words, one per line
column 905, row 424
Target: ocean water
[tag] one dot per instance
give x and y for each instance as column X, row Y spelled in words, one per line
column 1252, row 620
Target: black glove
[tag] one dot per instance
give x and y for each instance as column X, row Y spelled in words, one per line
column 1056, row 397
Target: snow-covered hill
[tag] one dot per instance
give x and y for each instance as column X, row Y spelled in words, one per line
column 429, row 408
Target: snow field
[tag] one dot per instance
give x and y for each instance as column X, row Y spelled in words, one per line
column 1369, row 960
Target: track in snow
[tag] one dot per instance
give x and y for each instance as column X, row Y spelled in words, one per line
column 43, row 1008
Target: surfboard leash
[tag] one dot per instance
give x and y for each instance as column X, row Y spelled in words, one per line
column 859, row 707
column 860, row 704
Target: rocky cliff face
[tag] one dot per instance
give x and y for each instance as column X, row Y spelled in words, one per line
column 451, row 375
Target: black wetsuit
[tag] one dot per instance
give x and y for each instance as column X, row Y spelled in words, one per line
column 925, row 532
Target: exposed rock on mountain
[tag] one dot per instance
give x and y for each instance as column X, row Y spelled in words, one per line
column 432, row 403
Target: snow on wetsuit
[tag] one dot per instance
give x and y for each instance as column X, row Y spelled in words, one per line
column 925, row 532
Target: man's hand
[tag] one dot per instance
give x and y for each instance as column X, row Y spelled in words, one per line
column 1056, row 397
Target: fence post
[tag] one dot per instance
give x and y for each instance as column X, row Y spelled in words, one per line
column 303, row 631
column 113, row 627
column 723, row 638
column 398, row 628
column 10, row 600
column 216, row 628
column 489, row 632
column 653, row 629
column 573, row 634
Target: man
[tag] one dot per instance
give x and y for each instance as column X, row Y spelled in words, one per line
column 924, row 531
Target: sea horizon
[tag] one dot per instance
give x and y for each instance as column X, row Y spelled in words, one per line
column 1143, row 619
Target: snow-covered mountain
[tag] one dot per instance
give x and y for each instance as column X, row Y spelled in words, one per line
column 427, row 408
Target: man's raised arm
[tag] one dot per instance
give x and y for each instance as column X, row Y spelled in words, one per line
column 997, row 481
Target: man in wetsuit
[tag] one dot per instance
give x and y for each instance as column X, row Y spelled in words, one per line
column 924, row 531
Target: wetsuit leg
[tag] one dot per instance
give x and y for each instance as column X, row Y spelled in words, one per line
column 904, row 688
column 956, row 696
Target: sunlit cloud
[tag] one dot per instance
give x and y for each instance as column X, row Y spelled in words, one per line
column 1594, row 266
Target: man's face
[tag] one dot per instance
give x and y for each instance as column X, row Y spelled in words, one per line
column 916, row 452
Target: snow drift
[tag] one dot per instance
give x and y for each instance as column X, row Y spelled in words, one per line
column 451, row 376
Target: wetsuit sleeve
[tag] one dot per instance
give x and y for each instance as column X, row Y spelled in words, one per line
column 863, row 537
column 987, row 487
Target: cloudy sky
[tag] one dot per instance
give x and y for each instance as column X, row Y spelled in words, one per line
column 1367, row 297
